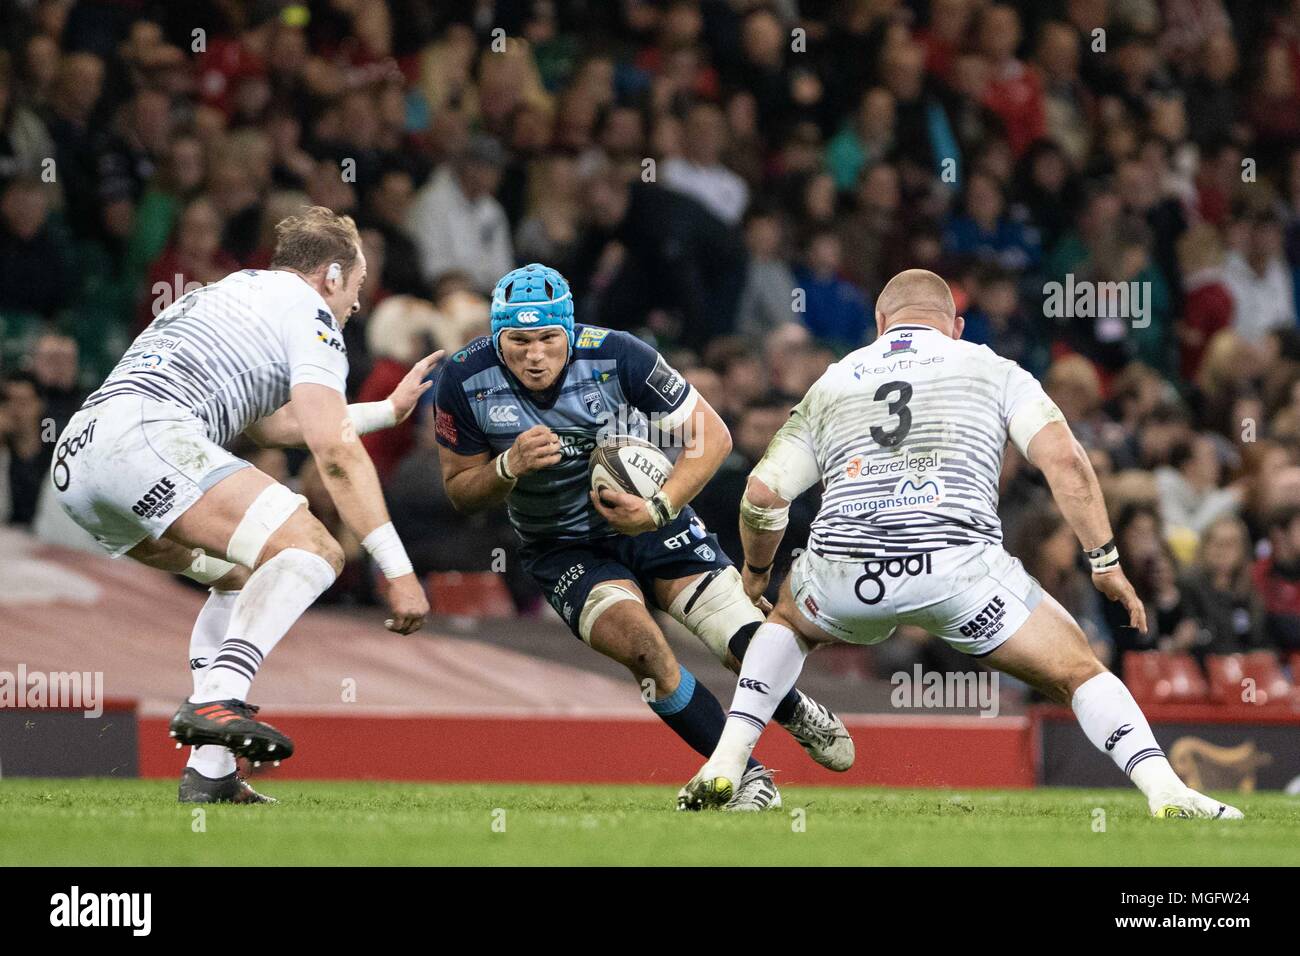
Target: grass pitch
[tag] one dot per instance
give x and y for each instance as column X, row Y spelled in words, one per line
column 137, row 822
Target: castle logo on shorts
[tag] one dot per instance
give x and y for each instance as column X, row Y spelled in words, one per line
column 157, row 501
column 987, row 622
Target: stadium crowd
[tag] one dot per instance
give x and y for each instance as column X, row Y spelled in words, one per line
column 734, row 180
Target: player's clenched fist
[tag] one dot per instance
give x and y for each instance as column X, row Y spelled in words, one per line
column 408, row 603
column 1116, row 586
column 537, row 448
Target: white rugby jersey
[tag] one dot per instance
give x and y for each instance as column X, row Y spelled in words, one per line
column 231, row 351
column 907, row 436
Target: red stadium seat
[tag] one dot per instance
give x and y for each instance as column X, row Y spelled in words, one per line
column 1228, row 673
column 1157, row 678
column 477, row 594
column 1186, row 681
column 1142, row 675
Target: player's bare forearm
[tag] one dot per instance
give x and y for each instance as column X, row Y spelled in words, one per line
column 344, row 464
column 280, row 429
column 471, row 481
column 350, row 477
column 709, row 447
column 1074, row 485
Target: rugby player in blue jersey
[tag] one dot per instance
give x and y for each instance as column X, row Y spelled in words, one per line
column 519, row 413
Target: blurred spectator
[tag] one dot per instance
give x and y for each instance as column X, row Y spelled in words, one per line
column 1261, row 281
column 699, row 172
column 36, row 264
column 1014, row 90
column 26, row 448
column 25, row 144
column 648, row 247
column 1208, row 305
column 455, row 221
column 835, row 311
column 55, row 368
column 1219, row 588
column 982, row 231
column 867, row 141
column 1277, row 578
column 767, row 300
column 1190, row 496
column 193, row 258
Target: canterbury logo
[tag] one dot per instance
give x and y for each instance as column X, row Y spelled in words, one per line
column 198, row 663
column 748, row 683
column 1115, row 738
column 528, row 316
column 504, row 415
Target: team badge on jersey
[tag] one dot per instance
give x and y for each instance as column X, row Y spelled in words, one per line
column 592, row 401
column 705, row 552
column 900, row 346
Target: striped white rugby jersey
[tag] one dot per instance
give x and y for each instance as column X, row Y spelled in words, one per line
column 230, row 352
column 908, row 435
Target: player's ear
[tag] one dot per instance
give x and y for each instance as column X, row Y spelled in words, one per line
column 333, row 275
column 958, row 324
column 880, row 323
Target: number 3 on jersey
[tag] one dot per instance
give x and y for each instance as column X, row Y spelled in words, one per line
column 890, row 438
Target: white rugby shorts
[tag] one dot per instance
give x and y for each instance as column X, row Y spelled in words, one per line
column 973, row 596
column 128, row 467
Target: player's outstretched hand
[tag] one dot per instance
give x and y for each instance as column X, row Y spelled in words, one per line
column 537, row 448
column 412, row 386
column 1116, row 586
column 408, row 603
column 626, row 514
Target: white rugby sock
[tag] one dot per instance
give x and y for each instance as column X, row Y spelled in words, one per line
column 1112, row 720
column 209, row 631
column 275, row 596
column 771, row 666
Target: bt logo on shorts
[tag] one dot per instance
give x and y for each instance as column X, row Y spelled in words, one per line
column 877, row 571
column 988, row 621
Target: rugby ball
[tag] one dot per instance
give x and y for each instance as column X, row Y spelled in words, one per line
column 629, row 464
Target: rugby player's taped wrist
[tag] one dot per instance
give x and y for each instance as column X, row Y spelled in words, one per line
column 1105, row 558
column 764, row 519
column 503, row 468
column 662, row 509
column 386, row 548
column 371, row 416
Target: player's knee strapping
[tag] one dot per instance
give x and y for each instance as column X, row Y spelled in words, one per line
column 716, row 610
column 265, row 515
column 601, row 598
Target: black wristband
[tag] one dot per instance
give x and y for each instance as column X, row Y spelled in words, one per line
column 753, row 570
column 1100, row 552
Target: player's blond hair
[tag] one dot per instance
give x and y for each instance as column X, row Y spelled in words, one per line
column 315, row 238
